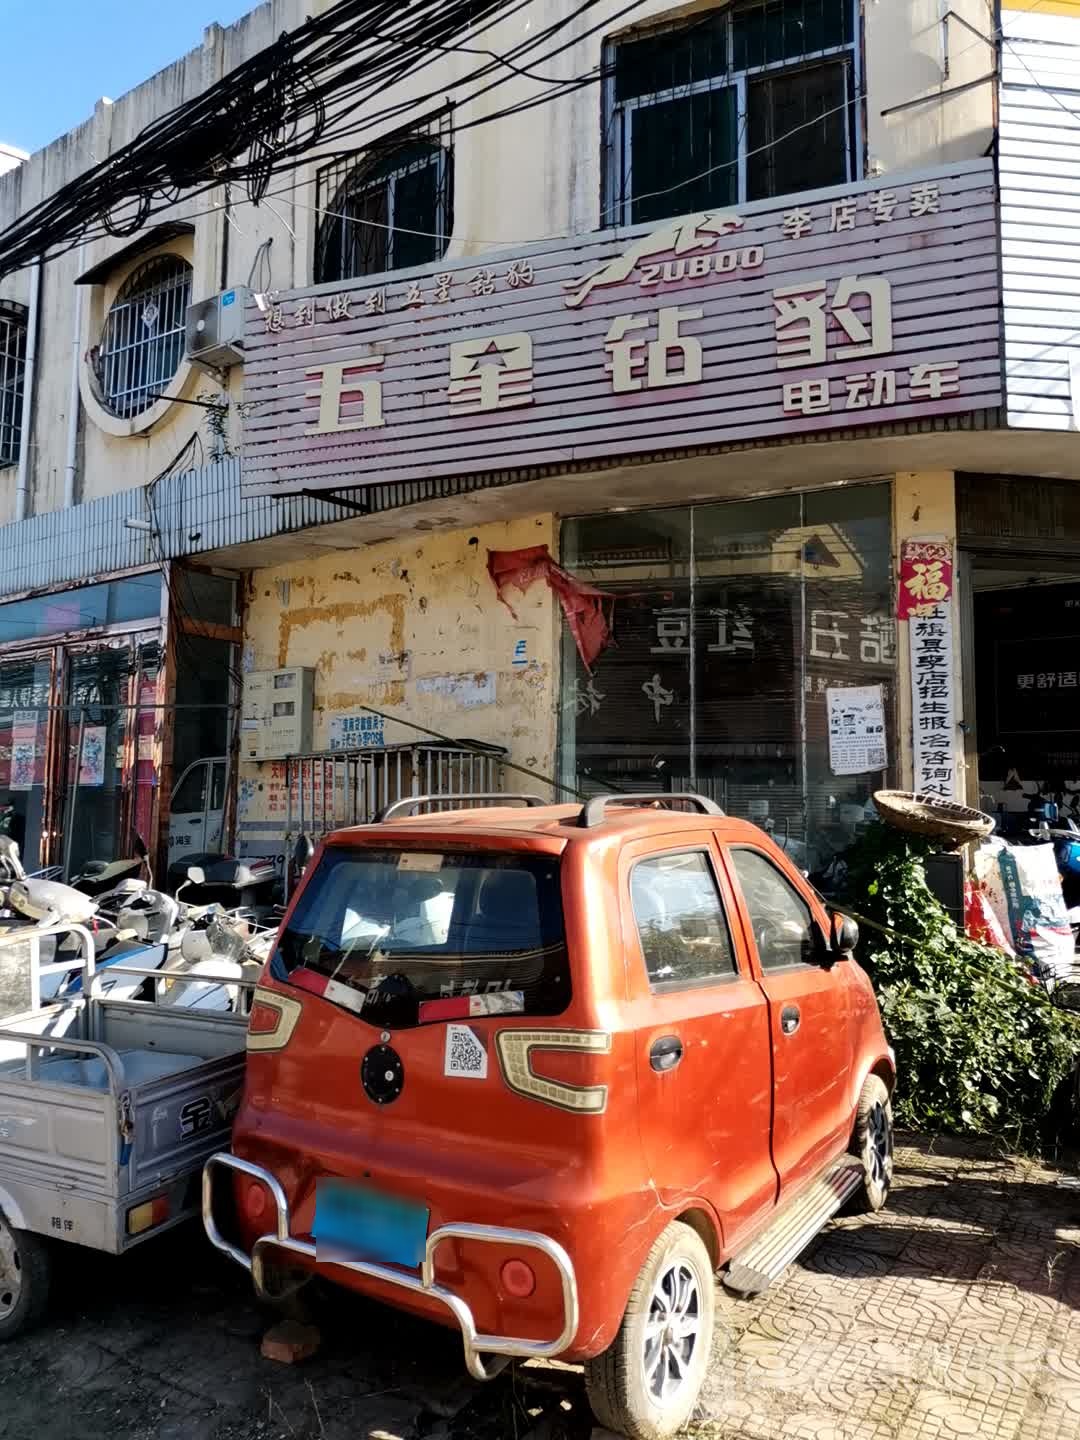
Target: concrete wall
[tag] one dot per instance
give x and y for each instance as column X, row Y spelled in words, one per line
column 412, row 627
column 10, row 157
column 532, row 175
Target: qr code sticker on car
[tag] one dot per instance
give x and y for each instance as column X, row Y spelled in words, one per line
column 465, row 1054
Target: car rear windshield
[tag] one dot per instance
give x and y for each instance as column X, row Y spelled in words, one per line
column 404, row 928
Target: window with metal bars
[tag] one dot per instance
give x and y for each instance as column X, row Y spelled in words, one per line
column 12, row 373
column 754, row 100
column 142, row 343
column 390, row 209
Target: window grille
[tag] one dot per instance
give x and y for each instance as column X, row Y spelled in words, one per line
column 758, row 99
column 12, row 372
column 142, row 343
column 388, row 209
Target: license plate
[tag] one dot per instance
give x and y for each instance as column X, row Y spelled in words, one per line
column 367, row 1224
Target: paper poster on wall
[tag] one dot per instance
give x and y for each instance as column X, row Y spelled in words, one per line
column 933, row 703
column 360, row 731
column 92, row 762
column 23, row 749
column 856, row 729
column 469, row 691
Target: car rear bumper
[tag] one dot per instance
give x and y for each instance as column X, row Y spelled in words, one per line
column 423, row 1286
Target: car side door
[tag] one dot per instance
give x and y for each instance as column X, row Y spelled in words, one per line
column 701, row 1033
column 810, row 1019
column 187, row 813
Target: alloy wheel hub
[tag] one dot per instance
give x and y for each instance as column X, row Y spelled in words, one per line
column 672, row 1331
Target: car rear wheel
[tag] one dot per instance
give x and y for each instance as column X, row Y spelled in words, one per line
column 646, row 1383
column 872, row 1142
column 25, row 1270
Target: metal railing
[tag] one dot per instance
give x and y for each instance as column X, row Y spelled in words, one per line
column 331, row 789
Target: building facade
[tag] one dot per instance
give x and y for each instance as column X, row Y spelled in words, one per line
column 709, row 425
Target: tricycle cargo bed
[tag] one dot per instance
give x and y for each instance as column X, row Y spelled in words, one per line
column 112, row 1104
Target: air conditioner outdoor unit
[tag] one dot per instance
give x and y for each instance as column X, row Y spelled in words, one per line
column 215, row 329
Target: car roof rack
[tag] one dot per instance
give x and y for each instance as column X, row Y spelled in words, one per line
column 593, row 811
column 411, row 804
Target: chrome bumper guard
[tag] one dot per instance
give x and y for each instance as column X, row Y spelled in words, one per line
column 476, row 1346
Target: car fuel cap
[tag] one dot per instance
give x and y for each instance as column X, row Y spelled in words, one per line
column 382, row 1074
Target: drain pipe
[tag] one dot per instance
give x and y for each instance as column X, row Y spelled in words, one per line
column 74, row 398
column 22, row 477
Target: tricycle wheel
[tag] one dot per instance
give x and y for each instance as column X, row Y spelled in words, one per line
column 25, row 1273
column 872, row 1142
column 646, row 1383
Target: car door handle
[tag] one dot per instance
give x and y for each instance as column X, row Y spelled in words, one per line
column 666, row 1053
column 790, row 1019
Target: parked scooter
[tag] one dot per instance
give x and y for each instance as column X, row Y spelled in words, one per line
column 210, row 940
column 234, row 884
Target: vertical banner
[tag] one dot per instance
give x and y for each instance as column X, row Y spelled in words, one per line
column 23, row 750
column 145, row 769
column 933, row 702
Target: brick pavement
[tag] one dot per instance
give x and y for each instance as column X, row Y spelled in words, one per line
column 955, row 1312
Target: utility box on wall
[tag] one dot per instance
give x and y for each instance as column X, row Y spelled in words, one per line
column 276, row 719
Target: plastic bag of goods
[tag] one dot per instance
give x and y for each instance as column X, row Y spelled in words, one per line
column 981, row 920
column 1023, row 887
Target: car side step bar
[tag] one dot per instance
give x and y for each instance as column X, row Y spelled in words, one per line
column 767, row 1257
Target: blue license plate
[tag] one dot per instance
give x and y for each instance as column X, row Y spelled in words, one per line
column 367, row 1224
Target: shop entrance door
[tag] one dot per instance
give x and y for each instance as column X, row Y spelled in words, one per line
column 97, row 711
column 1021, row 638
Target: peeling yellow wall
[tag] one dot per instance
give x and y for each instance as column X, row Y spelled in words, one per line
column 412, row 627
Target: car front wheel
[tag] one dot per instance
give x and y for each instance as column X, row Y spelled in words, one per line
column 646, row 1383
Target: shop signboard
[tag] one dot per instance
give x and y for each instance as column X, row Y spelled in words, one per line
column 875, row 303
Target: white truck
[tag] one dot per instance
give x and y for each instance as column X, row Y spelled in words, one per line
column 109, row 1109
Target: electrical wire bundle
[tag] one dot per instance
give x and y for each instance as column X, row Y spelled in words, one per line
column 310, row 86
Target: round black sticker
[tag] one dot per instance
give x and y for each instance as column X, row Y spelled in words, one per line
column 382, row 1074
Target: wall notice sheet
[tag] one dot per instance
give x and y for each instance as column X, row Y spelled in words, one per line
column 856, row 729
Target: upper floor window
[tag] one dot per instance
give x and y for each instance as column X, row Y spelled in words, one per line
column 750, row 101
column 12, row 371
column 142, row 343
column 387, row 211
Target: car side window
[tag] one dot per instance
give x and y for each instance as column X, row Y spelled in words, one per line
column 191, row 794
column 680, row 920
column 782, row 920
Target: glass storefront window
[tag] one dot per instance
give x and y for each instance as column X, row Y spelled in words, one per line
column 25, row 693
column 91, row 608
column 97, row 716
column 734, row 623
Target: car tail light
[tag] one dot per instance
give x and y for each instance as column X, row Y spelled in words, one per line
column 518, row 1279
column 272, row 1020
column 144, row 1217
column 518, row 1049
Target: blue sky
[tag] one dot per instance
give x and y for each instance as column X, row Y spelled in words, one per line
column 61, row 56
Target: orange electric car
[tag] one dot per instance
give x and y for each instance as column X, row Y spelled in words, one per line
column 540, row 1071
